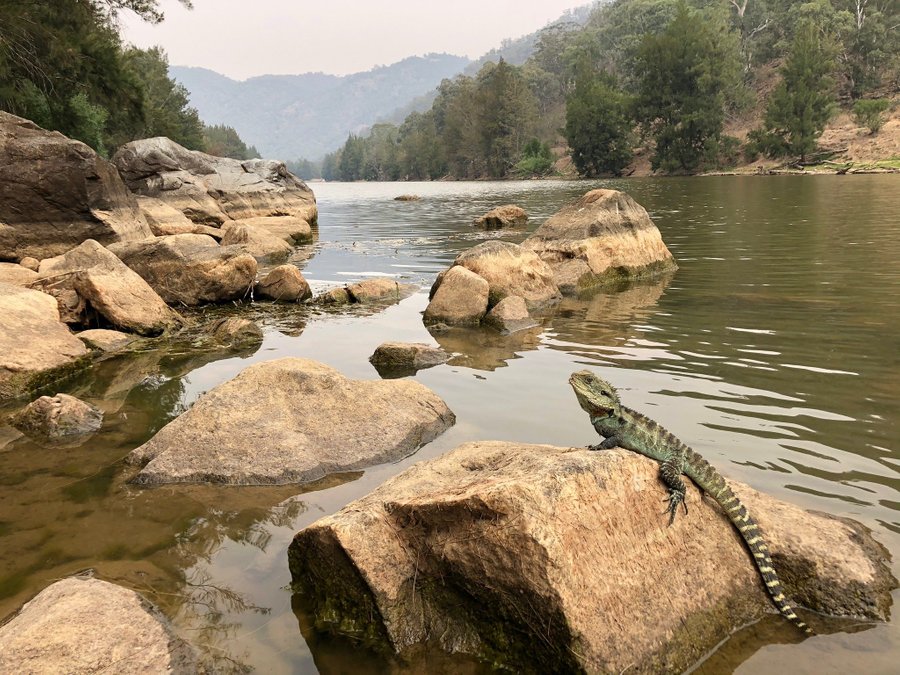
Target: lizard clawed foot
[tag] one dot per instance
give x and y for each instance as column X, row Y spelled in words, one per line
column 595, row 448
column 674, row 499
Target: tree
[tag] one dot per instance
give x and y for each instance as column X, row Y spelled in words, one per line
column 167, row 109
column 598, row 126
column 682, row 74
column 803, row 102
column 537, row 159
column 223, row 141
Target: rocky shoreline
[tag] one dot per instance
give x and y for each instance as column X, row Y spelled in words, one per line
column 518, row 555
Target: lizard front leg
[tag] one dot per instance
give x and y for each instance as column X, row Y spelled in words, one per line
column 606, row 444
column 670, row 471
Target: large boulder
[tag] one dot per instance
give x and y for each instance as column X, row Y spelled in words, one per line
column 35, row 346
column 213, row 190
column 547, row 559
column 604, row 237
column 57, row 417
column 511, row 269
column 190, row 269
column 165, row 219
column 56, row 192
column 84, row 625
column 103, row 284
column 291, row 420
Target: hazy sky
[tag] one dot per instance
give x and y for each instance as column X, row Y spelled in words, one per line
column 243, row 38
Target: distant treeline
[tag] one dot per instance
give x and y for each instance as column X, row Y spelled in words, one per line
column 665, row 74
column 63, row 65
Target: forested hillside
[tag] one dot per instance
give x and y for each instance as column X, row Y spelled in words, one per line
column 63, row 65
column 667, row 76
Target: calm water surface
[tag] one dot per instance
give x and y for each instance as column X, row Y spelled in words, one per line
column 774, row 351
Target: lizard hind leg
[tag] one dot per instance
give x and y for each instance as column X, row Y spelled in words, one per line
column 670, row 472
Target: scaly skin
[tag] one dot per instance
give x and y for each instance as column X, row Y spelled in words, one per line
column 625, row 428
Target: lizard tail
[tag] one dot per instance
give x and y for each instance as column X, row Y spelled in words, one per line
column 749, row 530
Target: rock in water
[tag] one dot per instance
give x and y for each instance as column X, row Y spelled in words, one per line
column 56, row 192
column 285, row 283
column 399, row 359
column 546, row 559
column 35, row 346
column 84, row 625
column 57, row 417
column 236, row 332
column 291, row 421
column 509, row 215
column 604, row 237
column 460, row 297
column 510, row 315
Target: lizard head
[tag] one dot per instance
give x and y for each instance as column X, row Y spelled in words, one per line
column 596, row 396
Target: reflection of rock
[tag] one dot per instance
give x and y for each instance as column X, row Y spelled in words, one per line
column 509, row 215
column 551, row 559
column 602, row 315
column 483, row 349
column 56, row 192
column 291, row 421
column 400, row 359
column 604, row 237
column 36, row 348
column 82, row 625
column 190, row 269
column 213, row 190
column 57, row 417
column 285, row 283
column 104, row 284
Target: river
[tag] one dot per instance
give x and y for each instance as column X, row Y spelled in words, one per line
column 774, row 351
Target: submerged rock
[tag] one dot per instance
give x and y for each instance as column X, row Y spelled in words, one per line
column 509, row 215
column 236, row 332
column 190, row 269
column 369, row 291
column 104, row 340
column 36, row 348
column 103, row 283
column 291, row 421
column 57, row 417
column 604, row 237
column 407, row 198
column 56, row 192
column 84, row 625
column 551, row 559
column 213, row 190
column 399, row 359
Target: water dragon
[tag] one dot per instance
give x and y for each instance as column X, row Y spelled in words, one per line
column 626, row 428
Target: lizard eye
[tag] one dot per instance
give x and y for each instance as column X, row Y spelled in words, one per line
column 605, row 393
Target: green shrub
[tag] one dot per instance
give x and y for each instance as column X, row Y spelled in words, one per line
column 868, row 113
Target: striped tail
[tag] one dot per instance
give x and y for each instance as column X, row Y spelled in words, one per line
column 712, row 483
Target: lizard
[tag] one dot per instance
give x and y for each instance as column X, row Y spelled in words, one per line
column 626, row 428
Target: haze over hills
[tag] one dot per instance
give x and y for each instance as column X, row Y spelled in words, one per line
column 294, row 116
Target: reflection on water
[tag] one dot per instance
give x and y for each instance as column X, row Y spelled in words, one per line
column 774, row 351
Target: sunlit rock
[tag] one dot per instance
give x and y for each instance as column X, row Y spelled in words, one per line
column 291, row 421
column 56, row 192
column 36, row 348
column 545, row 559
column 602, row 238
column 213, row 190
column 103, row 284
column 190, row 269
column 84, row 625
